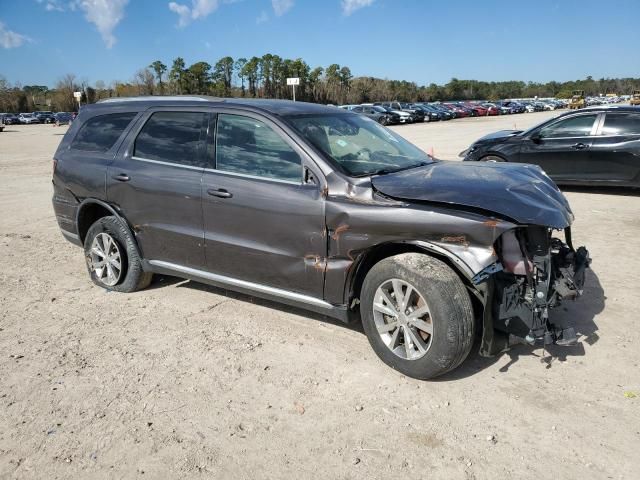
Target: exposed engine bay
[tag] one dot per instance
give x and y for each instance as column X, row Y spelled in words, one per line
column 535, row 274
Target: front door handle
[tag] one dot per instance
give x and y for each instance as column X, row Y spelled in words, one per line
column 221, row 193
column 123, row 177
column 579, row 146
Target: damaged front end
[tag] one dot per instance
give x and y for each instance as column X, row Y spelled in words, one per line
column 535, row 273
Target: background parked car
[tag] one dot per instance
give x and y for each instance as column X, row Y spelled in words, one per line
column 405, row 117
column 492, row 109
column 416, row 116
column 9, row 118
column 378, row 114
column 28, row 118
column 62, row 118
column 429, row 114
column 593, row 146
column 516, row 107
column 446, row 113
column 44, row 116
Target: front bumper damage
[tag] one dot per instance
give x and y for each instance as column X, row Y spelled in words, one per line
column 520, row 293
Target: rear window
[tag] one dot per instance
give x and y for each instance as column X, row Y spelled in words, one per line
column 621, row 124
column 100, row 133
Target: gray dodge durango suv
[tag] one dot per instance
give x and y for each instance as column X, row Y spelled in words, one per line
column 323, row 209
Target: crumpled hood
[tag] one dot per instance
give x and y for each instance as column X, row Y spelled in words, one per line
column 521, row 192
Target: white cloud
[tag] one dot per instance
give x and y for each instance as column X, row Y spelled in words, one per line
column 11, row 39
column 280, row 7
column 104, row 14
column 263, row 17
column 350, row 6
column 53, row 5
column 184, row 13
column 198, row 9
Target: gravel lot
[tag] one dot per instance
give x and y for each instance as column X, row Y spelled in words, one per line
column 185, row 380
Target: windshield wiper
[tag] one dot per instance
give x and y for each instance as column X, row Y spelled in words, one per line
column 383, row 171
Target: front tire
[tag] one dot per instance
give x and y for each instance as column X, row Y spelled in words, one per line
column 492, row 158
column 112, row 257
column 417, row 315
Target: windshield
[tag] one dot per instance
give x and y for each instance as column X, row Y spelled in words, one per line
column 358, row 144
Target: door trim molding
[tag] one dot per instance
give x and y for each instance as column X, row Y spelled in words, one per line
column 235, row 282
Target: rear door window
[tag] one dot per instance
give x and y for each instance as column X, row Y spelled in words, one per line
column 621, row 124
column 248, row 146
column 579, row 126
column 173, row 137
column 100, row 133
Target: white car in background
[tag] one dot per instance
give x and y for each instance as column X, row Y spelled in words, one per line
column 28, row 118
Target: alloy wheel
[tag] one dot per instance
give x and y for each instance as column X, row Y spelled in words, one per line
column 105, row 259
column 402, row 319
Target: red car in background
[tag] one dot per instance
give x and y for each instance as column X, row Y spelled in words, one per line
column 491, row 109
column 459, row 112
column 479, row 109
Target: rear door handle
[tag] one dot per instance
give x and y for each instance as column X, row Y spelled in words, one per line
column 579, row 146
column 123, row 177
column 221, row 192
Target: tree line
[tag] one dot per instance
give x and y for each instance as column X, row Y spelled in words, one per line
column 265, row 77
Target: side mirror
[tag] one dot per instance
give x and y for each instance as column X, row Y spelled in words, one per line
column 536, row 137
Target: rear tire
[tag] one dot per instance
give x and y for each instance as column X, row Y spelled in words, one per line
column 437, row 301
column 112, row 257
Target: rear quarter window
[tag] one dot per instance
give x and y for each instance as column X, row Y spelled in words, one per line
column 100, row 133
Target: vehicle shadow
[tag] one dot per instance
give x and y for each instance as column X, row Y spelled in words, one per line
column 579, row 314
column 620, row 191
column 160, row 281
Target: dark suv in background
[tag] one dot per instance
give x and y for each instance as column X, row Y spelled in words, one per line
column 323, row 209
column 44, row 117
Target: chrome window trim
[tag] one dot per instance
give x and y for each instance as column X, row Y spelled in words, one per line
column 161, row 162
column 235, row 282
column 253, row 177
column 594, row 126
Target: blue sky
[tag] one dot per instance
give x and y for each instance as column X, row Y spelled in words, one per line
column 419, row 40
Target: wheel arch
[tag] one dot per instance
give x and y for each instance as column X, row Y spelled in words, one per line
column 91, row 209
column 379, row 252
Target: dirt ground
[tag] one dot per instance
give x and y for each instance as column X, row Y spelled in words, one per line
column 183, row 380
